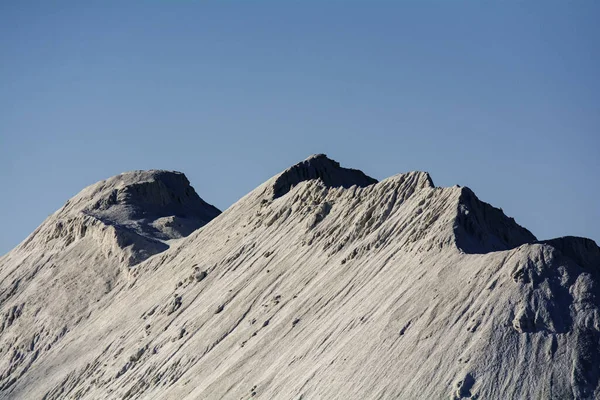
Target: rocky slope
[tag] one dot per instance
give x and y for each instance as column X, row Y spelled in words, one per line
column 322, row 283
column 56, row 278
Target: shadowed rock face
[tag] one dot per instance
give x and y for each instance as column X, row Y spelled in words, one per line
column 156, row 204
column 481, row 228
column 584, row 297
column 583, row 251
column 321, row 283
column 135, row 211
column 323, row 168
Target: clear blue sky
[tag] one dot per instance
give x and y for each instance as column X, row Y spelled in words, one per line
column 500, row 96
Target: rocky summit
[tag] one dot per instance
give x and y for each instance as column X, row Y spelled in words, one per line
column 322, row 283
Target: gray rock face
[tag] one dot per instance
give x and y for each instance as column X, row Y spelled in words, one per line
column 320, row 167
column 583, row 251
column 481, row 228
column 147, row 197
column 321, row 283
column 140, row 210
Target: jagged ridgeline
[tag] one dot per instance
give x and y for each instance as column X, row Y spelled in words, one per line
column 322, row 283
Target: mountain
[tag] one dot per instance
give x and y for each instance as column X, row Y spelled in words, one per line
column 322, row 283
column 57, row 278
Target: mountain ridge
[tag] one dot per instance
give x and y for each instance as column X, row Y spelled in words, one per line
column 339, row 287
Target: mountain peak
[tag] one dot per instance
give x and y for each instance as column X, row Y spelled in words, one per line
column 144, row 195
column 139, row 210
column 319, row 166
column 317, row 156
column 422, row 178
column 481, row 228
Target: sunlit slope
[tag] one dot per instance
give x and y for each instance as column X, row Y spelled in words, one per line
column 323, row 283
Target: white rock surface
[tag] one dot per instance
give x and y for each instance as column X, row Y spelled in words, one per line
column 320, row 284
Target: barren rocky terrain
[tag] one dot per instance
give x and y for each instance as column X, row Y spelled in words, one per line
column 322, row 283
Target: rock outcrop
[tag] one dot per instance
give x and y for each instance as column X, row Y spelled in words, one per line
column 320, row 167
column 132, row 214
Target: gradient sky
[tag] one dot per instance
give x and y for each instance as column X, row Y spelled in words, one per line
column 500, row 96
